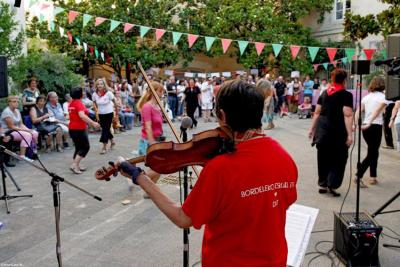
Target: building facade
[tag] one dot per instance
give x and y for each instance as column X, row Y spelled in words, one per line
column 332, row 27
column 20, row 18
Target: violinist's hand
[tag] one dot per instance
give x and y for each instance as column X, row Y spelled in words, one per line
column 130, row 171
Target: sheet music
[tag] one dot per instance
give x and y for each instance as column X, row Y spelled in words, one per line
column 299, row 224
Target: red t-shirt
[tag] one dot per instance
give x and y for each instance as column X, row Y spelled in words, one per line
column 75, row 122
column 242, row 199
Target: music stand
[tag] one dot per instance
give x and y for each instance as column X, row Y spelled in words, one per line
column 5, row 195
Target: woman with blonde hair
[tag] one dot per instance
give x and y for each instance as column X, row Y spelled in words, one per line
column 11, row 122
column 152, row 120
column 104, row 102
column 373, row 106
column 266, row 87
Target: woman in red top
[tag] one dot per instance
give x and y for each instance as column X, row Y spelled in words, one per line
column 78, row 115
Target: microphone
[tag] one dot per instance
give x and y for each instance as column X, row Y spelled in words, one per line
column 186, row 123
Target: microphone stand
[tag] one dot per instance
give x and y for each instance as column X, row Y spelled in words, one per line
column 55, row 183
column 186, row 231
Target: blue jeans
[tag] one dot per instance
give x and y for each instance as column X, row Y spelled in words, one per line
column 173, row 104
column 180, row 107
column 143, row 145
column 126, row 119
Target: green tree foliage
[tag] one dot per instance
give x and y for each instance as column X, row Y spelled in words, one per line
column 386, row 22
column 10, row 43
column 54, row 72
column 268, row 21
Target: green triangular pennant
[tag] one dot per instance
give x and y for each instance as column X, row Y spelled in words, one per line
column 209, row 42
column 32, row 2
column 175, row 37
column 350, row 53
column 313, row 52
column 78, row 41
column 52, row 26
column 114, row 24
column 325, row 65
column 242, row 46
column 344, row 60
column 86, row 19
column 41, row 18
column 96, row 52
column 58, row 10
column 143, row 30
column 384, row 53
column 277, row 49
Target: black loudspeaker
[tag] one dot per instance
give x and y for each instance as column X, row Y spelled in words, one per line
column 393, row 82
column 3, row 77
column 356, row 243
column 360, row 67
column 17, row 3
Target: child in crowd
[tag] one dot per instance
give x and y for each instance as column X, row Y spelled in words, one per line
column 305, row 108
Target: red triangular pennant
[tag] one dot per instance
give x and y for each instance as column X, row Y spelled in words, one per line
column 294, row 49
column 259, row 47
column 127, row 27
column 69, row 37
column 316, row 66
column 91, row 50
column 369, row 53
column 225, row 44
column 331, row 53
column 334, row 63
column 99, row 20
column 72, row 16
column 44, row 6
column 191, row 39
column 159, row 33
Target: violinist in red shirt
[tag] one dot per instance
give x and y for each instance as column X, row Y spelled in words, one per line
column 240, row 197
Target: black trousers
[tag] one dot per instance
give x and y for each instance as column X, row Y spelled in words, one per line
column 191, row 109
column 105, row 123
column 386, row 120
column 373, row 138
column 332, row 161
column 81, row 142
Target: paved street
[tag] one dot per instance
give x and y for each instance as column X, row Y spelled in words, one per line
column 108, row 233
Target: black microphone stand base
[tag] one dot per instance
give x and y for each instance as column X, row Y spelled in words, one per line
column 5, row 196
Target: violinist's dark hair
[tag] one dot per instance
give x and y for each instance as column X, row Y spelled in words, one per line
column 242, row 104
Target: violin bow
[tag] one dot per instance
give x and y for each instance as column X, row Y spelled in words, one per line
column 171, row 125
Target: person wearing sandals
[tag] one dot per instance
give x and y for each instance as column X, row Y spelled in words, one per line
column 373, row 106
column 104, row 100
column 46, row 125
column 331, row 132
column 79, row 119
column 395, row 121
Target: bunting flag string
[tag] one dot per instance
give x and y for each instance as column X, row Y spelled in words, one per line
column 86, row 19
column 331, row 53
column 114, row 24
column 127, row 27
column 159, row 34
column 313, row 52
column 242, row 46
column 175, row 37
column 225, row 44
column 294, row 49
column 72, row 16
column 209, row 40
column 192, row 39
column 259, row 47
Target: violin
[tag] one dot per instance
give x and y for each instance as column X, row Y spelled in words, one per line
column 170, row 157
